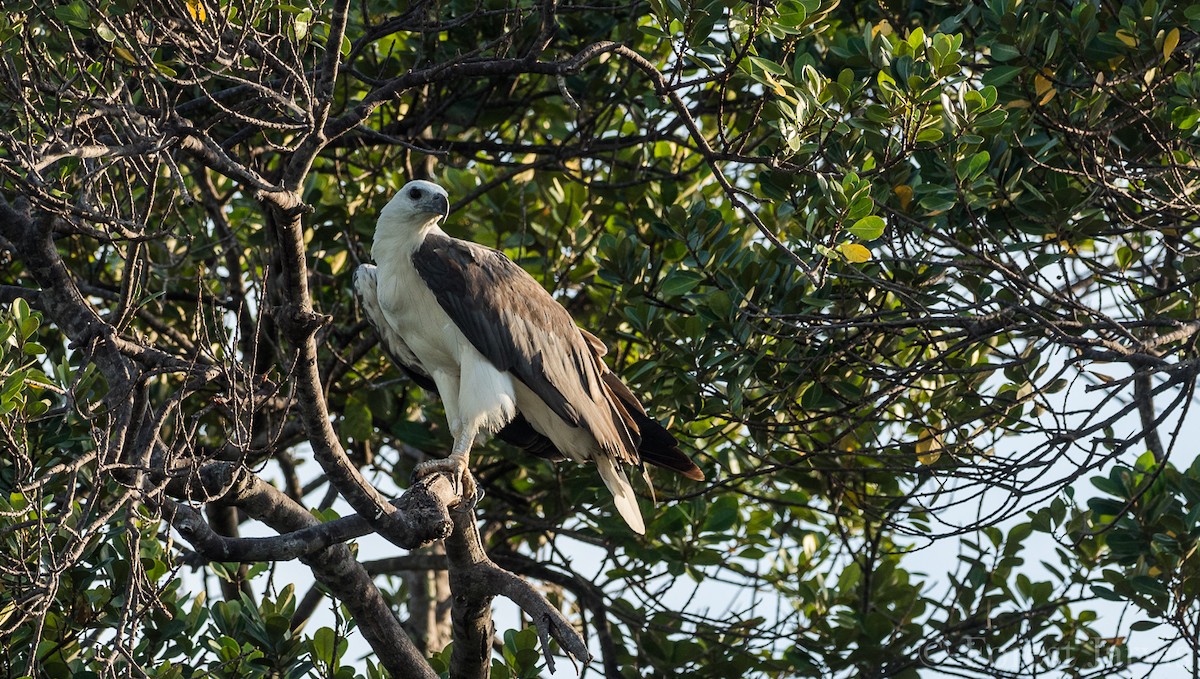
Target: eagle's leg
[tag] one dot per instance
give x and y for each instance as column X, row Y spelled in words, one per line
column 476, row 397
column 456, row 465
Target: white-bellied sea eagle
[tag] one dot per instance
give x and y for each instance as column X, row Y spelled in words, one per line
column 502, row 353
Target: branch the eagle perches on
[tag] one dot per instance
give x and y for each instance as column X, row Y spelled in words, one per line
column 428, row 511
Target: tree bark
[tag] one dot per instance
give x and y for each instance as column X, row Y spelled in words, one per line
column 429, row 602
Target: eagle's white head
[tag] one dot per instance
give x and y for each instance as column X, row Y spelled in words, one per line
column 419, row 204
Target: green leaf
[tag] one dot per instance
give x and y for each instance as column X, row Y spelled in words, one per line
column 1149, row 586
column 322, row 644
column 1002, row 52
column 792, row 14
column 1144, row 625
column 930, row 135
column 868, row 228
column 722, row 515
column 861, row 208
column 357, row 422
column 680, row 282
column 28, row 324
column 999, row 75
column 20, row 309
column 1106, row 485
column 301, row 23
column 337, row 261
column 75, row 14
column 768, row 66
column 1185, row 117
column 974, row 167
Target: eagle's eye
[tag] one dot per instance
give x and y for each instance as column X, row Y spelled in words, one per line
column 415, row 194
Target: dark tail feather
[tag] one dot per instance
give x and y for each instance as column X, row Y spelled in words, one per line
column 659, row 448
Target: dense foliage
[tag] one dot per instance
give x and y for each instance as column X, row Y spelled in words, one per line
column 899, row 274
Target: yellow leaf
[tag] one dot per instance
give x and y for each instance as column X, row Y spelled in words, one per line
column 125, row 55
column 855, row 253
column 1041, row 83
column 1043, row 87
column 1017, row 103
column 929, row 447
column 1126, row 37
column 778, row 88
column 337, row 261
column 196, row 9
column 905, row 193
column 1170, row 43
column 525, row 176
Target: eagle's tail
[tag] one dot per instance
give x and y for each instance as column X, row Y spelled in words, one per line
column 618, row 484
column 659, row 448
column 656, row 445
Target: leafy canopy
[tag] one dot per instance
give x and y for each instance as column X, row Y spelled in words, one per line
column 899, row 274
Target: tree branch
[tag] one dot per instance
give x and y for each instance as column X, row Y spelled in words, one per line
column 420, row 517
column 299, row 322
column 474, row 580
column 1143, row 394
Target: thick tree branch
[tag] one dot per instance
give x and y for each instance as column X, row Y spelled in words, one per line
column 586, row 593
column 197, row 144
column 420, row 517
column 31, row 237
column 9, row 294
column 1143, row 395
column 471, row 602
column 299, row 322
column 474, row 580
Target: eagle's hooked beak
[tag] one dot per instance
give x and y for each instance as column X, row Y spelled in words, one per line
column 440, row 206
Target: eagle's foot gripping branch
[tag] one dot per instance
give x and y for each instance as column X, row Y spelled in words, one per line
column 454, row 467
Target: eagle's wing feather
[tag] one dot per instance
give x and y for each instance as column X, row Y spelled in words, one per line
column 365, row 279
column 514, row 323
column 518, row 432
